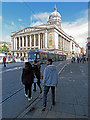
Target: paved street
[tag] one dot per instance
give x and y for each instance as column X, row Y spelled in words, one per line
column 71, row 94
column 13, row 90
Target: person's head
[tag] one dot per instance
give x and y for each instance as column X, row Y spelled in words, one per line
column 35, row 61
column 27, row 64
column 49, row 62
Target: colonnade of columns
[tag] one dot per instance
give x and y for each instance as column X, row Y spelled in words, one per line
column 40, row 41
column 30, row 41
column 63, row 44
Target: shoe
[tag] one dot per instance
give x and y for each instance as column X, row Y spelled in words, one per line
column 40, row 91
column 29, row 99
column 34, row 90
column 26, row 95
column 44, row 108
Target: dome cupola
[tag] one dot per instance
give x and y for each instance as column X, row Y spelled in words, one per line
column 55, row 18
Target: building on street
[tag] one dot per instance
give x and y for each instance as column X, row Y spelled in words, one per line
column 49, row 37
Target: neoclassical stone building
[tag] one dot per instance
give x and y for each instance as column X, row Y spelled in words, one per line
column 49, row 37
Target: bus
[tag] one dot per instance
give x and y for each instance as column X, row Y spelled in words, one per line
column 42, row 56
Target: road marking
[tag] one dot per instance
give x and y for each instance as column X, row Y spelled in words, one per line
column 19, row 68
column 5, row 99
column 58, row 64
column 62, row 68
column 10, row 69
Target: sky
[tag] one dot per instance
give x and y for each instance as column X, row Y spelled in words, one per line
column 18, row 15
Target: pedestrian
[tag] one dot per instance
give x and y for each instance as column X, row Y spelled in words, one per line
column 23, row 59
column 87, row 59
column 83, row 59
column 72, row 60
column 80, row 59
column 50, row 80
column 4, row 61
column 27, row 79
column 36, row 71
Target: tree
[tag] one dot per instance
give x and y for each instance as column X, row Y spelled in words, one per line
column 5, row 49
column 0, row 49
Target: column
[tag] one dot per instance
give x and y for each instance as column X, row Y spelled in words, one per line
column 66, row 45
column 22, row 41
column 30, row 42
column 63, row 45
column 46, row 42
column 22, row 54
column 43, row 41
column 19, row 43
column 34, row 41
column 39, row 40
column 16, row 43
column 71, row 46
column 60, row 43
column 26, row 42
column 74, row 47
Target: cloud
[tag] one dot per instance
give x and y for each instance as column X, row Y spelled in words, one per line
column 19, row 20
column 7, row 38
column 36, row 23
column 78, row 29
column 12, row 23
column 0, row 19
column 40, row 17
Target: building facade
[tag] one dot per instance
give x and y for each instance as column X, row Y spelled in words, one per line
column 49, row 37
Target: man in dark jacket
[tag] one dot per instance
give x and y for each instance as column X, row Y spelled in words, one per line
column 27, row 79
column 36, row 70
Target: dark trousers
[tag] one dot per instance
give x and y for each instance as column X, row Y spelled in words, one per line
column 46, row 90
column 38, row 83
column 4, row 64
column 28, row 89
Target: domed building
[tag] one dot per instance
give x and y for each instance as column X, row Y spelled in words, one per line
column 49, row 37
column 55, row 18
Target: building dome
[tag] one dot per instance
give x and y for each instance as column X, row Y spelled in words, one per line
column 55, row 17
column 55, row 14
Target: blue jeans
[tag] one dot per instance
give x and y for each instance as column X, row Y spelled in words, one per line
column 46, row 90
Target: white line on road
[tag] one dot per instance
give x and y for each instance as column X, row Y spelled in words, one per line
column 10, row 69
column 62, row 68
column 58, row 64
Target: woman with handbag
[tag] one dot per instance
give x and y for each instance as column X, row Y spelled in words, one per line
column 27, row 79
column 36, row 70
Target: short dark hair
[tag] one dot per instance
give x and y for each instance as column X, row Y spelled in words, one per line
column 50, row 60
column 28, row 64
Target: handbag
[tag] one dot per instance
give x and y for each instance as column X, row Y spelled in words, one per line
column 35, row 79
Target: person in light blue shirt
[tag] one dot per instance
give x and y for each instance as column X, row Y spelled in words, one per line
column 50, row 79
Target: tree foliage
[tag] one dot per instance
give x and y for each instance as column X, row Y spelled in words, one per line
column 0, row 49
column 4, row 48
